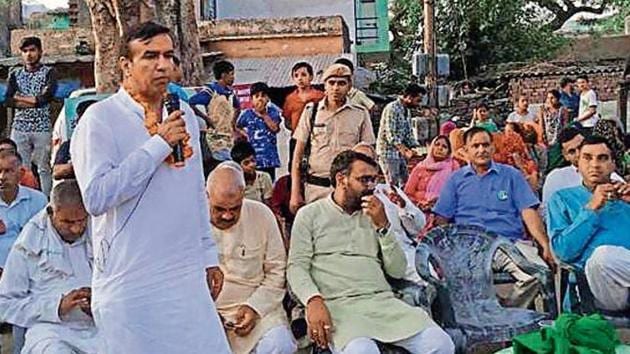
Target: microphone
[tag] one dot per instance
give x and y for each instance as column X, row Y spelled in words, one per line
column 171, row 102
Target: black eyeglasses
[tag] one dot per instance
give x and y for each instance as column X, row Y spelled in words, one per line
column 366, row 179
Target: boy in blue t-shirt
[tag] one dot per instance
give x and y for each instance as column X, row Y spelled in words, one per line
column 262, row 123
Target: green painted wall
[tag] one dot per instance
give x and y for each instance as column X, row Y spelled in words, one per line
column 366, row 10
column 60, row 22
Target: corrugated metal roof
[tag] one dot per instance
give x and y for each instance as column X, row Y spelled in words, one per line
column 276, row 71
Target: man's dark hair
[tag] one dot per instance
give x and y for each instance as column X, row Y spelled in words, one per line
column 83, row 106
column 143, row 32
column 241, row 150
column 567, row 134
column 555, row 94
column 597, row 140
column 222, row 67
column 414, row 90
column 583, row 77
column 8, row 141
column 530, row 136
column 31, row 41
column 474, row 131
column 259, row 87
column 482, row 104
column 346, row 62
column 301, row 65
column 343, row 161
column 518, row 129
column 176, row 61
column 9, row 153
column 565, row 81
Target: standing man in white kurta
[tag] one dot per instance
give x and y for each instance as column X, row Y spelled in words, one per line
column 155, row 258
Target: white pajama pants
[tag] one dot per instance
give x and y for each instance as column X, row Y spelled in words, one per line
column 432, row 340
column 278, row 340
column 608, row 275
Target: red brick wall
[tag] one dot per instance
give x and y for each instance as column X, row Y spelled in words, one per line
column 535, row 88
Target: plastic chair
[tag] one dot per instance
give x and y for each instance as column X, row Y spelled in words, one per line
column 461, row 257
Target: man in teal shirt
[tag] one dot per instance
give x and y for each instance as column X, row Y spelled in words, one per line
column 589, row 226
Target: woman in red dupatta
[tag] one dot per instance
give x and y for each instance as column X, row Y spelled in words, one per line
column 428, row 177
column 510, row 149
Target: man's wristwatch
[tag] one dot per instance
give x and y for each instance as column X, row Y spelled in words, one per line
column 382, row 231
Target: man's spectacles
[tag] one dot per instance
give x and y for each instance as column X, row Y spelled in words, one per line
column 366, row 179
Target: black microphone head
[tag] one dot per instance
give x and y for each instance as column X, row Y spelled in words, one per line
column 171, row 101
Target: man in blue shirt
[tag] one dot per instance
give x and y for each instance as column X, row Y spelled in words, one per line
column 568, row 98
column 589, row 224
column 497, row 197
column 174, row 86
column 18, row 204
column 222, row 110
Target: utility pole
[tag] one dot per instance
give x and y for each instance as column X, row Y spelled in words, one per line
column 430, row 79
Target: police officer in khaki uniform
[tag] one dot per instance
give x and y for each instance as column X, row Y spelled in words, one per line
column 339, row 125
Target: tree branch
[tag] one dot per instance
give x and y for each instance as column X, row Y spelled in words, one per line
column 593, row 10
column 563, row 10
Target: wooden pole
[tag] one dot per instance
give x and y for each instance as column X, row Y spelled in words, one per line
column 429, row 48
column 622, row 103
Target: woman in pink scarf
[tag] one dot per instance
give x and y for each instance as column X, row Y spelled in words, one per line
column 427, row 178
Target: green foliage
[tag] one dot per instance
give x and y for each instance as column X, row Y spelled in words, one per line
column 475, row 32
column 482, row 32
column 616, row 23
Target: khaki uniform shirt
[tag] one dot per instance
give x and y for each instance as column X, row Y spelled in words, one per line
column 334, row 132
column 253, row 260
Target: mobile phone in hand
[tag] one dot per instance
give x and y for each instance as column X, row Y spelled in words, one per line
column 229, row 325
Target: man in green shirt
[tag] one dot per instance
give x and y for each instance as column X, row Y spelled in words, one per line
column 341, row 250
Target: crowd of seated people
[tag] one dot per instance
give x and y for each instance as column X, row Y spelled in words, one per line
column 345, row 220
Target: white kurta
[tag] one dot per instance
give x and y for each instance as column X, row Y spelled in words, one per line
column 406, row 223
column 41, row 268
column 152, row 238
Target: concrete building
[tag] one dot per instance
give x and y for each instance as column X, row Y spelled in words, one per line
column 266, row 38
column 367, row 20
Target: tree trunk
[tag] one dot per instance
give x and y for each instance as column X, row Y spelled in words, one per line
column 179, row 16
column 10, row 18
column 111, row 20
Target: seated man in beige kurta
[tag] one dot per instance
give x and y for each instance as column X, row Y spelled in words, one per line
column 341, row 249
column 253, row 260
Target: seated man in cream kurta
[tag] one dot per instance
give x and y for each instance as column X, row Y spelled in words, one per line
column 253, row 259
column 342, row 247
column 46, row 282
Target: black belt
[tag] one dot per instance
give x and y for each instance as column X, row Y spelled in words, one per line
column 318, row 181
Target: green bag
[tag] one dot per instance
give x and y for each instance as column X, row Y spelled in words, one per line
column 570, row 334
